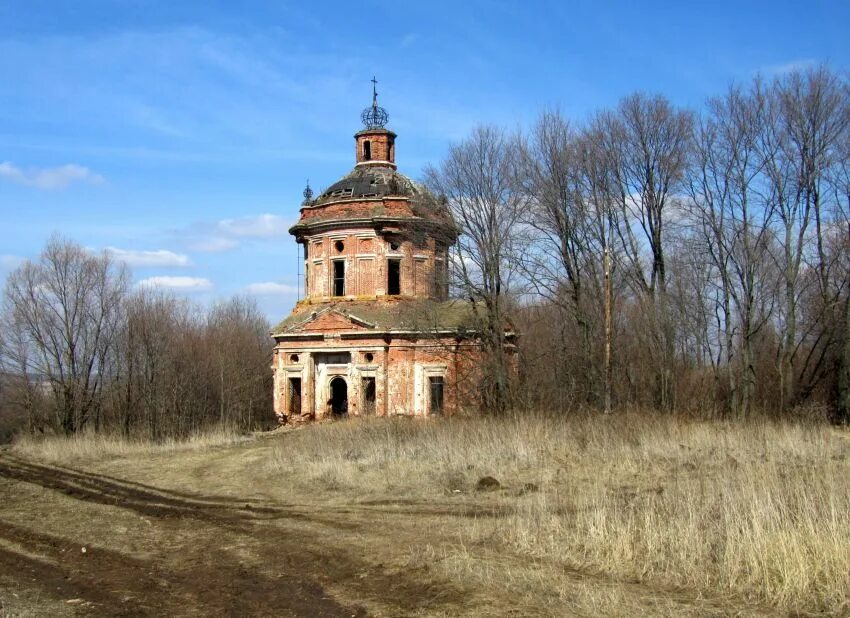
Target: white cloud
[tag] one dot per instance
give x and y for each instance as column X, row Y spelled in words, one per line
column 260, row 226
column 51, row 178
column 269, row 288
column 409, row 39
column 789, row 67
column 188, row 284
column 214, row 245
column 10, row 261
column 160, row 257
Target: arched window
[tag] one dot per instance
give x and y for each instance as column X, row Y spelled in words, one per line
column 367, row 150
column 339, row 396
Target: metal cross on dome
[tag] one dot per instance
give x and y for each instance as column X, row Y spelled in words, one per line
column 374, row 117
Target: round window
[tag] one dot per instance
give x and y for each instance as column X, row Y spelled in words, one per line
column 293, row 358
column 369, row 357
column 394, row 246
column 339, row 246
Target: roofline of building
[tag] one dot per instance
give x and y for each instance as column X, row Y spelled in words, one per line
column 376, row 163
column 376, row 131
column 346, row 200
column 379, row 222
column 376, row 334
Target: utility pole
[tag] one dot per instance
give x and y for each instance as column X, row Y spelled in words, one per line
column 606, row 267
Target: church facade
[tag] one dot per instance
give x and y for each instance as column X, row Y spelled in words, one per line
column 375, row 333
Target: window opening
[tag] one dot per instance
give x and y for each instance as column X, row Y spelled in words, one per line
column 332, row 358
column 339, row 278
column 367, row 150
column 369, row 357
column 440, row 280
column 368, row 396
column 293, row 358
column 394, row 277
column 294, row 396
column 436, row 396
column 339, row 245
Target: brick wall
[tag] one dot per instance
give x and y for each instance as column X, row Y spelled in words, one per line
column 365, row 255
column 381, row 145
column 399, row 367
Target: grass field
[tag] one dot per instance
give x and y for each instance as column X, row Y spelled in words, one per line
column 585, row 515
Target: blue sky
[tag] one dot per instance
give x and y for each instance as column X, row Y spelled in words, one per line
column 180, row 134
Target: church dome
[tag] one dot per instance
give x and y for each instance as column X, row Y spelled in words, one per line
column 372, row 181
column 374, row 194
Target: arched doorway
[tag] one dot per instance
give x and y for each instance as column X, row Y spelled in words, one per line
column 339, row 396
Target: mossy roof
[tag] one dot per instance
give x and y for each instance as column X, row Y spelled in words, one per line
column 456, row 316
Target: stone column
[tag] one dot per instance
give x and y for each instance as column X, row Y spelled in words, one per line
column 307, row 388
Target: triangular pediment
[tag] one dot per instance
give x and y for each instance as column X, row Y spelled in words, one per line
column 331, row 320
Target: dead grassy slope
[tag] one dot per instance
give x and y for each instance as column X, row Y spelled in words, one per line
column 614, row 516
column 756, row 510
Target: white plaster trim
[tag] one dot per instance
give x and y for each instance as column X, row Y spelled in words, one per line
column 469, row 334
column 325, row 349
column 423, row 371
column 436, row 346
column 376, row 162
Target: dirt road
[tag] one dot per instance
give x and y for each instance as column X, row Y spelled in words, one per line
column 218, row 532
column 85, row 543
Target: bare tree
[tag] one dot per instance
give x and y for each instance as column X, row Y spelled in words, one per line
column 710, row 188
column 810, row 114
column 242, row 356
column 598, row 180
column 66, row 309
column 839, row 182
column 728, row 237
column 479, row 179
column 561, row 260
column 734, row 209
column 647, row 144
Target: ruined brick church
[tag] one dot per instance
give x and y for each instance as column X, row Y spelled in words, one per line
column 376, row 333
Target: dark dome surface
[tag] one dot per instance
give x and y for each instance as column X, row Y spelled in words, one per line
column 372, row 181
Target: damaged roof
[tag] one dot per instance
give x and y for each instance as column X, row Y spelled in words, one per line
column 377, row 195
column 425, row 316
column 371, row 181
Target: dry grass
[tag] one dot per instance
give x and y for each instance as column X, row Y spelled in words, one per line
column 93, row 447
column 632, row 514
column 755, row 511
